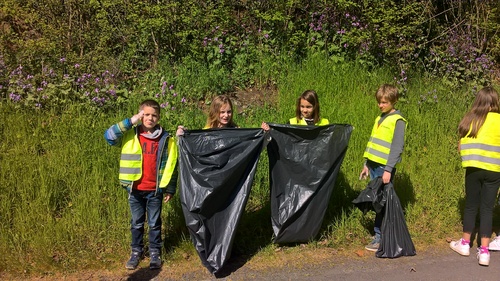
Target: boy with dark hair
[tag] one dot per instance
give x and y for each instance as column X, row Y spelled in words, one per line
column 148, row 172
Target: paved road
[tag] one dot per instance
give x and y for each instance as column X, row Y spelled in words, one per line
column 441, row 264
column 435, row 264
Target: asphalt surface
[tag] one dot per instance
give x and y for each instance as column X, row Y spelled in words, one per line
column 434, row 264
column 443, row 264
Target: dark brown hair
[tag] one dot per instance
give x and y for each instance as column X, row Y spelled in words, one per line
column 312, row 98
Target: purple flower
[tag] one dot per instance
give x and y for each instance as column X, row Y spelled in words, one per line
column 14, row 97
column 77, row 65
column 63, row 59
column 183, row 99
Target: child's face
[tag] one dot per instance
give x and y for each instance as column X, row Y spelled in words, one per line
column 150, row 118
column 225, row 115
column 385, row 106
column 306, row 109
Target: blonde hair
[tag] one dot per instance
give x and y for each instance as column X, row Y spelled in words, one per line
column 213, row 113
column 388, row 92
column 312, row 98
column 486, row 101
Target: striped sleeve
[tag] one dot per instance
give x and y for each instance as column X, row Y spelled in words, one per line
column 114, row 134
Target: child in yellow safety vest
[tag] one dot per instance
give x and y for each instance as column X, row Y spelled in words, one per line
column 306, row 111
column 148, row 171
column 480, row 151
column 384, row 148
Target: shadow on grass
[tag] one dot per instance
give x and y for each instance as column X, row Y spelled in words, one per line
column 143, row 274
column 254, row 233
column 175, row 227
column 344, row 194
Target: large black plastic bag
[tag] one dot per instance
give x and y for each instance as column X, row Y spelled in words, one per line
column 396, row 240
column 304, row 162
column 372, row 197
column 216, row 174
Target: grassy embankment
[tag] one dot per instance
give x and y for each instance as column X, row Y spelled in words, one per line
column 61, row 207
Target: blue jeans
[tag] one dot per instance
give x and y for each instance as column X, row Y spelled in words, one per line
column 377, row 170
column 142, row 202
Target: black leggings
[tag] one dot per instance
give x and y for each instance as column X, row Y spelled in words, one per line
column 481, row 187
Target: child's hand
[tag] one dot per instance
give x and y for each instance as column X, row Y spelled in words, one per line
column 386, row 177
column 137, row 118
column 167, row 198
column 265, row 126
column 180, row 131
column 364, row 173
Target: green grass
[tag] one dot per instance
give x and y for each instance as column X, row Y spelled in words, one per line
column 61, row 206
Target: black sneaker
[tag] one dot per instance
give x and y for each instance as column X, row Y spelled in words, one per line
column 134, row 260
column 154, row 260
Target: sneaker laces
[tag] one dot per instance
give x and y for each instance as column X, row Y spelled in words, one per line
column 483, row 250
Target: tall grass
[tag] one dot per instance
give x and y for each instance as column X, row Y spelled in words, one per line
column 61, row 207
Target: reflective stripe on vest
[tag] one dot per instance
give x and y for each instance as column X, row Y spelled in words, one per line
column 131, row 158
column 379, row 145
column 484, row 151
column 321, row 122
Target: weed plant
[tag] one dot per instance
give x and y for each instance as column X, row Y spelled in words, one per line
column 62, row 208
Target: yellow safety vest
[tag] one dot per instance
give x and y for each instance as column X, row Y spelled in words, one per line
column 379, row 145
column 321, row 122
column 483, row 151
column 131, row 159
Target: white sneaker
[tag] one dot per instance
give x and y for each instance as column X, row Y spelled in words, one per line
column 495, row 244
column 460, row 248
column 483, row 257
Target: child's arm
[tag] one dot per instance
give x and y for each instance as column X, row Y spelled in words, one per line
column 396, row 146
column 114, row 134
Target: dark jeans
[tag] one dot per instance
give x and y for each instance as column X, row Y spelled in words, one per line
column 377, row 170
column 481, row 187
column 144, row 203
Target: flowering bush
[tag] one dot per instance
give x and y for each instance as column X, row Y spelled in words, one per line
column 458, row 59
column 55, row 87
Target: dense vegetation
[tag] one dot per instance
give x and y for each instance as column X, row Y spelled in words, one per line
column 100, row 48
column 69, row 69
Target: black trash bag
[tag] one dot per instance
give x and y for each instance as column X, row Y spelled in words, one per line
column 396, row 240
column 216, row 168
column 304, row 162
column 372, row 198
